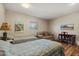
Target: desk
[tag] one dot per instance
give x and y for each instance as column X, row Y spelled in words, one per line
column 67, row 38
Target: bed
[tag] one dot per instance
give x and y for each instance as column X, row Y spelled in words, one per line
column 41, row 47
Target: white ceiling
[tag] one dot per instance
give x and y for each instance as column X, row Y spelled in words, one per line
column 44, row 10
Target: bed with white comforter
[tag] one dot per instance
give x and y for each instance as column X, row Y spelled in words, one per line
column 40, row 47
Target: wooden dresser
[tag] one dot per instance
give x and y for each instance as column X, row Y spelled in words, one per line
column 67, row 38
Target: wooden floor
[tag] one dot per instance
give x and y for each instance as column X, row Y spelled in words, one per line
column 70, row 50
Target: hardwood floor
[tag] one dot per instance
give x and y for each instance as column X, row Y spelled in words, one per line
column 70, row 50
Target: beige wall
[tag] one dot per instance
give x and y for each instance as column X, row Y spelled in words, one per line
column 69, row 19
column 2, row 13
column 2, row 16
column 52, row 25
column 13, row 17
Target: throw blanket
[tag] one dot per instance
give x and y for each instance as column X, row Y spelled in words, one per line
column 36, row 48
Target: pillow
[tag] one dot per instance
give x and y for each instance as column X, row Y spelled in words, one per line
column 30, row 37
column 40, row 35
column 25, row 39
column 5, row 46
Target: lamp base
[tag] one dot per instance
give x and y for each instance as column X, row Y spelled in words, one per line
column 4, row 36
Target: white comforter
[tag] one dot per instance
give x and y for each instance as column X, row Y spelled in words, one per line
column 33, row 48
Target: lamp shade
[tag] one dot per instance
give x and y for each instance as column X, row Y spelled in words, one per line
column 5, row 26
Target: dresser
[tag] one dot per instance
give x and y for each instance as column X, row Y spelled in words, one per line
column 67, row 38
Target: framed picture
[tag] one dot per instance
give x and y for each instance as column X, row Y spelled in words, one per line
column 33, row 25
column 19, row 27
column 67, row 27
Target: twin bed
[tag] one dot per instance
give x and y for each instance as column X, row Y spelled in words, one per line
column 40, row 47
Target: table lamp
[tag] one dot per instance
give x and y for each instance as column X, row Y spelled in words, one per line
column 5, row 27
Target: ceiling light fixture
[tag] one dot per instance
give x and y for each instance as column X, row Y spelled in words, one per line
column 26, row 5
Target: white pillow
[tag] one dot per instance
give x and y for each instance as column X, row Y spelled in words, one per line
column 30, row 37
column 25, row 37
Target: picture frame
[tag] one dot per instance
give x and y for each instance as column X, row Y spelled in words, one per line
column 19, row 27
column 33, row 25
column 67, row 27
